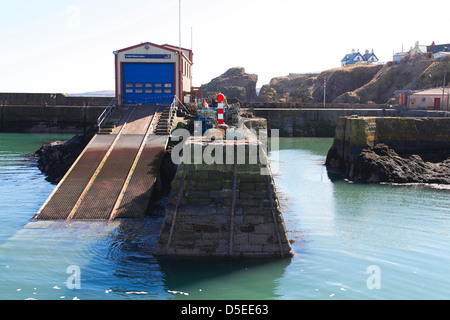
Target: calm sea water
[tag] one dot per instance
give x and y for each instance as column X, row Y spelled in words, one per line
column 352, row 241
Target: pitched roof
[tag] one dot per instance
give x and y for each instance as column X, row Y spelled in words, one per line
column 350, row 56
column 368, row 55
column 439, row 47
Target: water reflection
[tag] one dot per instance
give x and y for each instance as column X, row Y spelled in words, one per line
column 136, row 270
column 223, row 278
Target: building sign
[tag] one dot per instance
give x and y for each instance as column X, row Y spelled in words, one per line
column 147, row 56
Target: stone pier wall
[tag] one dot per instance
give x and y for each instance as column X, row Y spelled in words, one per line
column 224, row 209
column 48, row 119
column 427, row 137
column 317, row 122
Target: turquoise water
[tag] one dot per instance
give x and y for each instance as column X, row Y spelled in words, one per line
column 352, row 241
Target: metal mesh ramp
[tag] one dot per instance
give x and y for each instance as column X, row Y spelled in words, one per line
column 137, row 195
column 114, row 176
column 60, row 203
column 101, row 196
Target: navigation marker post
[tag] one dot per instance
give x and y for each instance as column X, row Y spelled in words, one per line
column 220, row 98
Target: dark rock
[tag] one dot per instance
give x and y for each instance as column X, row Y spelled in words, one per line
column 55, row 158
column 382, row 164
column 235, row 83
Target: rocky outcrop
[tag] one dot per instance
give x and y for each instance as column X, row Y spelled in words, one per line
column 358, row 83
column 308, row 88
column 234, row 84
column 392, row 149
column 55, row 158
column 382, row 164
column 283, row 89
column 405, row 75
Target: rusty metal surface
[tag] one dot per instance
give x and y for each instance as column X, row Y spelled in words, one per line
column 91, row 189
column 67, row 193
column 100, row 198
column 138, row 193
column 140, row 120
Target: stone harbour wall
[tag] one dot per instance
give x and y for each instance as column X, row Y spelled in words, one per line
column 427, row 137
column 48, row 119
column 224, row 209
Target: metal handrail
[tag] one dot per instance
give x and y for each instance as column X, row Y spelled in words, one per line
column 181, row 103
column 106, row 112
column 172, row 111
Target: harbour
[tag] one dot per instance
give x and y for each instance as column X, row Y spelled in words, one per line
column 340, row 229
column 133, row 169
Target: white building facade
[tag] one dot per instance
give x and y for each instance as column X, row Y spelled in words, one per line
column 150, row 74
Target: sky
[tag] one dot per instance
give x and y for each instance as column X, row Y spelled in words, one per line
column 67, row 46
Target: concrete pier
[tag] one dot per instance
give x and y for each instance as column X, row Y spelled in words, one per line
column 225, row 208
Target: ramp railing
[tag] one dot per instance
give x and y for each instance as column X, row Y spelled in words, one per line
column 106, row 113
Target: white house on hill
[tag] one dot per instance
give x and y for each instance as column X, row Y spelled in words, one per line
column 355, row 57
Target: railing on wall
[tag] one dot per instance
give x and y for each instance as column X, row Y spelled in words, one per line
column 172, row 112
column 101, row 119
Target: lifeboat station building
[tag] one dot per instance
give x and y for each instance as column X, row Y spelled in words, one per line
column 150, row 74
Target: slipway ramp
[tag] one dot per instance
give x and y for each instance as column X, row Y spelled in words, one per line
column 115, row 174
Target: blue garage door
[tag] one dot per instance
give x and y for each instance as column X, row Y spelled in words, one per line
column 148, row 83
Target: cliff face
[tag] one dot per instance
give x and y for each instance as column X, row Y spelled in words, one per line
column 358, row 83
column 404, row 75
column 234, row 83
column 283, row 89
column 309, row 87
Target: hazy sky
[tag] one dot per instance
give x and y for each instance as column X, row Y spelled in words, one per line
column 66, row 46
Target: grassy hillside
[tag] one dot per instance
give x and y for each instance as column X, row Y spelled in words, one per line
column 359, row 83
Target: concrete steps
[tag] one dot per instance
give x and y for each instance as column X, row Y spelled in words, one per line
column 107, row 128
column 164, row 125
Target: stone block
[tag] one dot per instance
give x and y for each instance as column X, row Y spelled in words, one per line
column 245, row 203
column 193, row 210
column 271, row 248
column 215, row 175
column 246, row 228
column 196, row 194
column 249, row 248
column 209, row 185
column 222, row 249
column 246, row 186
column 224, row 194
column 197, row 175
column 256, row 177
column 261, row 238
column 265, row 228
column 206, row 201
column 207, row 228
column 260, row 186
column 186, row 251
column 227, row 184
column 253, row 219
column 190, row 185
column 223, row 220
column 240, row 238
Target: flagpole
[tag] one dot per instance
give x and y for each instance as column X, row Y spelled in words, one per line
column 179, row 26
